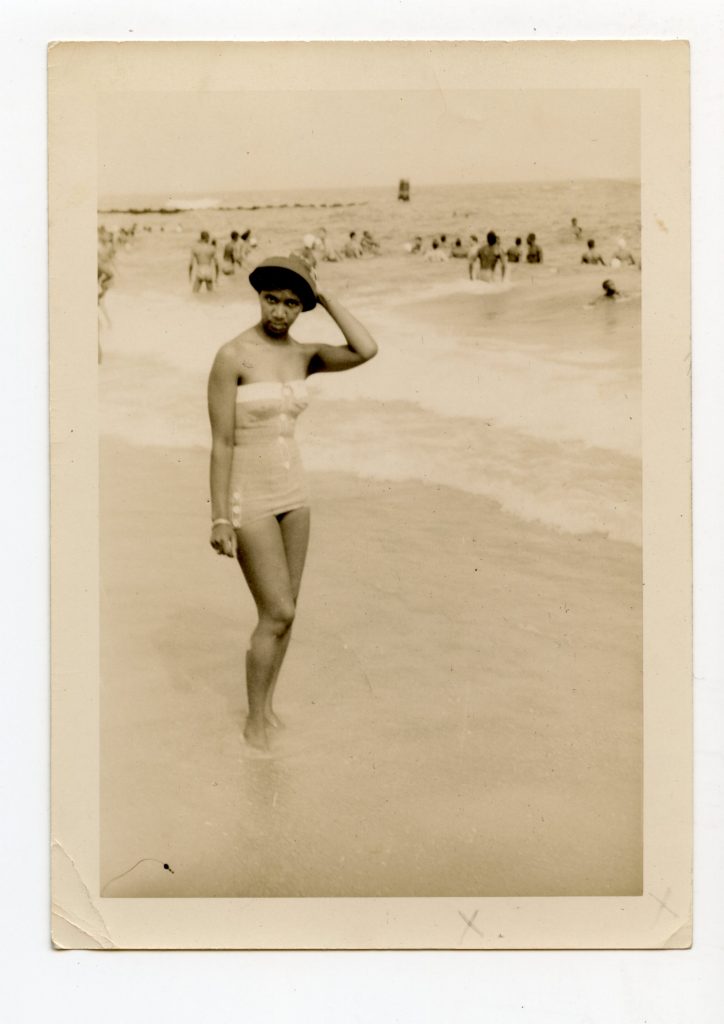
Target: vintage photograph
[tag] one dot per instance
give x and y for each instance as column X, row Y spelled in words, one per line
column 377, row 597
column 379, row 351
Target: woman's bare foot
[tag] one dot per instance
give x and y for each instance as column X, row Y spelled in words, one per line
column 255, row 733
column 273, row 719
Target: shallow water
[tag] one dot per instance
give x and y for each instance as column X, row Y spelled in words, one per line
column 604, row 209
column 519, row 392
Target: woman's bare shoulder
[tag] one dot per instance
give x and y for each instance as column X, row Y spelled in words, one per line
column 231, row 354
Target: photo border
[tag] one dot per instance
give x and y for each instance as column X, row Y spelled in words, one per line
column 78, row 75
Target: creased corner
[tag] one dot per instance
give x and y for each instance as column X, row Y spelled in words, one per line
column 76, row 921
column 680, row 938
column 53, row 51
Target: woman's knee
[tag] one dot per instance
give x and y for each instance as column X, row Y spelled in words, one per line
column 278, row 618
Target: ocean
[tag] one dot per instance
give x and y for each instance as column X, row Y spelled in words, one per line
column 521, row 392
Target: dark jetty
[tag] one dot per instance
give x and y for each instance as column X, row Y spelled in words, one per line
column 225, row 209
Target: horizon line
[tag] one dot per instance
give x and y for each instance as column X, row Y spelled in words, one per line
column 208, row 192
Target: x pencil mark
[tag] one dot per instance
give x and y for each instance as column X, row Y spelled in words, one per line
column 662, row 903
column 469, row 924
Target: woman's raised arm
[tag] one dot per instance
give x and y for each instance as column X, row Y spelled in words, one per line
column 360, row 347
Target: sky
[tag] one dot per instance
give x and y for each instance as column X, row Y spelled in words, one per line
column 174, row 143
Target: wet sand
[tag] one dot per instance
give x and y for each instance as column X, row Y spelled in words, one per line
column 462, row 699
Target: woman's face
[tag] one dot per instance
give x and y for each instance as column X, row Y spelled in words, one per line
column 279, row 309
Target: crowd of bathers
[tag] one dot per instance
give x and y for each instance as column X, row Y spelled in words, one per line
column 442, row 247
column 485, row 253
column 108, row 243
column 314, row 248
column 205, row 261
column 621, row 256
column 319, row 247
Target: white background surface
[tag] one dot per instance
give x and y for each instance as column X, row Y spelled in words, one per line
column 641, row 988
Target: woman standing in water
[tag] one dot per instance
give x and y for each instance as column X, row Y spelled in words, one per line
column 259, row 509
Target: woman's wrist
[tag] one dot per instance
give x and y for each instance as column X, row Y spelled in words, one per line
column 221, row 522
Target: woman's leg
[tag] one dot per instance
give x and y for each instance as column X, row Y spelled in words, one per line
column 295, row 537
column 263, row 559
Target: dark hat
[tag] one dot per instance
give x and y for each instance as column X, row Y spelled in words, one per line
column 286, row 272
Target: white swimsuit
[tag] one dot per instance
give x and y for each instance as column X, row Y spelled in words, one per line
column 267, row 477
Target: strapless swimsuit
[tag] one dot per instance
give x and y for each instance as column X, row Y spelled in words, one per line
column 266, row 470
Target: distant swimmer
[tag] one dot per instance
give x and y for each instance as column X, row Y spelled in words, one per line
column 459, row 251
column 106, row 254
column 514, row 253
column 307, row 253
column 577, row 231
column 591, row 255
column 369, row 244
column 535, row 253
column 610, row 294
column 352, row 249
column 228, row 260
column 436, row 253
column 486, row 258
column 327, row 252
column 622, row 254
column 203, row 265
column 102, row 313
column 242, row 247
column 415, row 245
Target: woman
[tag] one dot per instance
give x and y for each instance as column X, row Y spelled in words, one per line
column 258, row 500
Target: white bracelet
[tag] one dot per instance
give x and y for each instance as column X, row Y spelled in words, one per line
column 218, row 522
